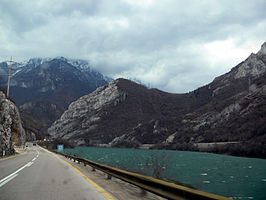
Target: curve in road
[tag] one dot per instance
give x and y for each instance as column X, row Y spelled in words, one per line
column 39, row 174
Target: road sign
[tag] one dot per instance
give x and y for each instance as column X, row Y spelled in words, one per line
column 60, row 147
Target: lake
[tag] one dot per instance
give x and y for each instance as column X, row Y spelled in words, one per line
column 235, row 177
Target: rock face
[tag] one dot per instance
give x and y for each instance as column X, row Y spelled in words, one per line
column 44, row 88
column 11, row 130
column 33, row 128
column 232, row 108
column 237, row 107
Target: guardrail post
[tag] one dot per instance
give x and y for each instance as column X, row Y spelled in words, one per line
column 84, row 164
column 143, row 192
column 109, row 177
column 93, row 169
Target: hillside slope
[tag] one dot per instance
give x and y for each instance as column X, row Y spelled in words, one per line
column 126, row 114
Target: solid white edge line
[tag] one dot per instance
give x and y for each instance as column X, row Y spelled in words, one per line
column 7, row 180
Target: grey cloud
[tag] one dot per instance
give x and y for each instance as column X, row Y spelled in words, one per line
column 161, row 43
column 19, row 16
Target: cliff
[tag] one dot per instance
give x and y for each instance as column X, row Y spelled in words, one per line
column 11, row 130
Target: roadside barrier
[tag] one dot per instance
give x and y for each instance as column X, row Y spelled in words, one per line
column 162, row 188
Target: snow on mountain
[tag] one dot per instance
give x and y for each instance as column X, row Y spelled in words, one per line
column 28, row 65
column 44, row 87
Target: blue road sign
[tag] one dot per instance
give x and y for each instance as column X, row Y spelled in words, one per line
column 60, row 147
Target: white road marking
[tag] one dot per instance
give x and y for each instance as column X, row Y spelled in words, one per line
column 2, row 180
column 14, row 174
column 7, row 180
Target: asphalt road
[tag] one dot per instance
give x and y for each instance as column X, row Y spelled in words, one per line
column 41, row 175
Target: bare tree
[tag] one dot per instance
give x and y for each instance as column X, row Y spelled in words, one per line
column 158, row 164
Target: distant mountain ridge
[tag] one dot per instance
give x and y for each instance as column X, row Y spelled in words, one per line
column 232, row 108
column 44, row 87
column 32, row 63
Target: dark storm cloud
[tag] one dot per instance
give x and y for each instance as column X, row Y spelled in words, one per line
column 173, row 45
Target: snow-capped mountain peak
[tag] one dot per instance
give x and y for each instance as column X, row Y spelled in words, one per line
column 83, row 65
column 27, row 65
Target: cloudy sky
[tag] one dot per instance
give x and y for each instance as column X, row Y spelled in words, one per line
column 173, row 45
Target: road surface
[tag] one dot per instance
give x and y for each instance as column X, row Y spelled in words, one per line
column 41, row 175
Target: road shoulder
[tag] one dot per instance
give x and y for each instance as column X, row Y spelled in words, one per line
column 116, row 187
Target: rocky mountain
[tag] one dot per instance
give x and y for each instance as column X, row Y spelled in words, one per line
column 11, row 130
column 230, row 111
column 44, row 87
column 33, row 128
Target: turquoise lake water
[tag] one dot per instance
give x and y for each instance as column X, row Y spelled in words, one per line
column 235, row 177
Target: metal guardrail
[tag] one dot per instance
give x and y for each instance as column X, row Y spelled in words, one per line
column 162, row 188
